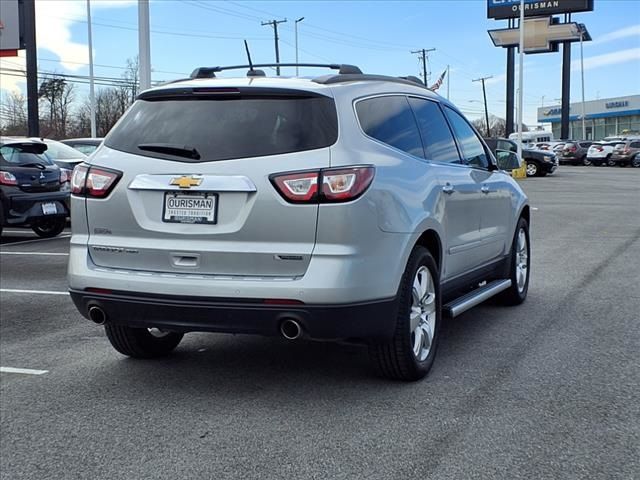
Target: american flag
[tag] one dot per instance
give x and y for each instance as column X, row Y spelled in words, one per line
column 438, row 83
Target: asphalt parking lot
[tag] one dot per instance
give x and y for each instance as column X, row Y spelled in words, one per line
column 549, row 389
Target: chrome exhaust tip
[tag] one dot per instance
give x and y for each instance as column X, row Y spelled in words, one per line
column 291, row 329
column 97, row 315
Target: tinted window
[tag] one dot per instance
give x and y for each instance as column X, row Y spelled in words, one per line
column 226, row 128
column 84, row 148
column 16, row 155
column 508, row 146
column 437, row 138
column 472, row 148
column 390, row 120
column 635, row 144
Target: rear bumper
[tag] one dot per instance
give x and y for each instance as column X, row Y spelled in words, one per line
column 621, row 158
column 373, row 319
column 20, row 209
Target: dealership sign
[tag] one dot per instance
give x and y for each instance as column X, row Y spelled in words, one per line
column 10, row 39
column 501, row 9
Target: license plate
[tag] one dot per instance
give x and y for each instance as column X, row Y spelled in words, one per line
column 195, row 207
column 49, row 209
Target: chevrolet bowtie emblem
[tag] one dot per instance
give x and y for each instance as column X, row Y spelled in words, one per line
column 186, row 182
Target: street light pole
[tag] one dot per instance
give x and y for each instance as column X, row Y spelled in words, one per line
column 296, row 30
column 520, row 79
column 144, row 47
column 92, row 95
column 584, row 127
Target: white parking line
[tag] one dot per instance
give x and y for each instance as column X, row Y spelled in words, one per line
column 41, row 292
column 35, row 253
column 34, row 240
column 23, row 232
column 26, row 371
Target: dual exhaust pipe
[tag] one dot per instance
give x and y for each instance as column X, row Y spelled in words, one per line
column 97, row 315
column 289, row 328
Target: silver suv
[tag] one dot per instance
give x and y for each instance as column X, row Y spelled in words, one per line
column 347, row 206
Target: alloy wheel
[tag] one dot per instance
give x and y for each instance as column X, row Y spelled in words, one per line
column 423, row 313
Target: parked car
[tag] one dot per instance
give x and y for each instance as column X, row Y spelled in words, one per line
column 575, row 153
column 624, row 153
column 635, row 161
column 506, row 153
column 539, row 162
column 599, row 153
column 268, row 221
column 84, row 145
column 63, row 155
column 31, row 188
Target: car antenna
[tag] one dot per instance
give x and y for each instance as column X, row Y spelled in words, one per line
column 252, row 72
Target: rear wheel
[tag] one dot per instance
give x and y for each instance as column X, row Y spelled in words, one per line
column 635, row 162
column 532, row 169
column 409, row 354
column 142, row 342
column 586, row 162
column 520, row 262
column 610, row 162
column 50, row 227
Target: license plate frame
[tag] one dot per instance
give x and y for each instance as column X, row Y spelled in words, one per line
column 211, row 219
column 49, row 208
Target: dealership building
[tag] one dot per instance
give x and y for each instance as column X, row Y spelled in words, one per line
column 603, row 118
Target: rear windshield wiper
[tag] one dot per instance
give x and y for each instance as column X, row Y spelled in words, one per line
column 171, row 149
column 34, row 164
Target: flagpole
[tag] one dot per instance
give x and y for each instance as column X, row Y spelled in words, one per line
column 448, row 79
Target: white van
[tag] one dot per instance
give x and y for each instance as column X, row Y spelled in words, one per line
column 531, row 138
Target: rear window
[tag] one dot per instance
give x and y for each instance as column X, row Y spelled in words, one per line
column 18, row 155
column 228, row 127
column 60, row 151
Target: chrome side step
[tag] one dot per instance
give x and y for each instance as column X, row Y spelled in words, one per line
column 471, row 299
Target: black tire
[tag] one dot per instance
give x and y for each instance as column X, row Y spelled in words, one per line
column 50, row 227
column 395, row 358
column 610, row 162
column 635, row 162
column 515, row 295
column 140, row 342
column 586, row 162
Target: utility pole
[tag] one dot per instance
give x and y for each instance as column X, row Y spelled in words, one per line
column 144, row 47
column 425, row 54
column 92, row 96
column 296, row 29
column 33, row 123
column 274, row 24
column 484, row 94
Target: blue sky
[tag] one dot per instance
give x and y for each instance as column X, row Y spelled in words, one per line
column 375, row 35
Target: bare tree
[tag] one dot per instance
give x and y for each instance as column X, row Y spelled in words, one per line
column 56, row 97
column 13, row 114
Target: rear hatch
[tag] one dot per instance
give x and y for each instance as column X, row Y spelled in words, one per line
column 195, row 196
column 26, row 164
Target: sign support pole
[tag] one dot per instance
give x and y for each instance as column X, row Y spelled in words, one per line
column 33, row 122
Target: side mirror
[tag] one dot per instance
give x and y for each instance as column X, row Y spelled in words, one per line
column 508, row 160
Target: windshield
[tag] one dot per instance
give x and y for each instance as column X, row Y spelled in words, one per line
column 225, row 128
column 19, row 155
column 60, row 151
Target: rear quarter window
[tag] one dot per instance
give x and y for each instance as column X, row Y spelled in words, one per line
column 390, row 120
column 227, row 127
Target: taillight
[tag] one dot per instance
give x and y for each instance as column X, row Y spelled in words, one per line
column 344, row 184
column 7, row 178
column 65, row 176
column 337, row 184
column 93, row 182
column 297, row 187
column 78, row 179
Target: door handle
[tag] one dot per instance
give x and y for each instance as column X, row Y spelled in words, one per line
column 485, row 189
column 448, row 188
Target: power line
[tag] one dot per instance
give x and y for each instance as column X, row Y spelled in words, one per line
column 424, row 53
